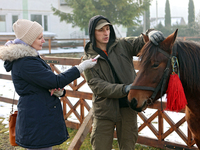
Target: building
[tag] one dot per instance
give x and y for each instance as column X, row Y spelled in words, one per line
column 174, row 21
column 40, row 11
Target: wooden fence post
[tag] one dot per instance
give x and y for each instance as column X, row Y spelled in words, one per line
column 82, row 132
column 49, row 46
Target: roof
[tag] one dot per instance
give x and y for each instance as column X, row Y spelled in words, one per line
column 174, row 21
column 11, row 35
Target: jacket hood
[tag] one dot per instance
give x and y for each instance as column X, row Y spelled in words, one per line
column 13, row 52
column 92, row 24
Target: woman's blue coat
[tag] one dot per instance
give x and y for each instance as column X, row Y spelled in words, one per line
column 40, row 121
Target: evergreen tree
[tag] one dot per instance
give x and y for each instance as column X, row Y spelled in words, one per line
column 134, row 31
column 191, row 15
column 147, row 18
column 167, row 14
column 121, row 12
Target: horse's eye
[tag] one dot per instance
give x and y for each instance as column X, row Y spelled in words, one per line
column 155, row 65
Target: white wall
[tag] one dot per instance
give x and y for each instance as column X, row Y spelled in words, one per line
column 43, row 7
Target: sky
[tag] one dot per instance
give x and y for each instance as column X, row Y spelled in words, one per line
column 179, row 8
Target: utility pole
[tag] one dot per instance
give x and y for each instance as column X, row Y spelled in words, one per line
column 144, row 22
column 156, row 13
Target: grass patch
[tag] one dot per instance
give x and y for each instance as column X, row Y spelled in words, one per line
column 4, row 137
column 87, row 146
column 5, row 144
column 72, row 132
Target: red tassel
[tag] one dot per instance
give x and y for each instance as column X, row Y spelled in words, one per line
column 176, row 99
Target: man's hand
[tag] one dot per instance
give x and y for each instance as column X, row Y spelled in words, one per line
column 127, row 88
column 156, row 37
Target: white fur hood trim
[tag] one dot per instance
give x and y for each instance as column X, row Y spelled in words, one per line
column 16, row 51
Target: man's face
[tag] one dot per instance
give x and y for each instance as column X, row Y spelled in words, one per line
column 102, row 35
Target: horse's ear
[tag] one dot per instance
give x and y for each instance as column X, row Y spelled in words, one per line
column 145, row 37
column 168, row 43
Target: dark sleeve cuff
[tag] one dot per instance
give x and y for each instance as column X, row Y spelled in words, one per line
column 64, row 92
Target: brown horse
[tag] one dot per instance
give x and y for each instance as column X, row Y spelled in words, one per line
column 153, row 77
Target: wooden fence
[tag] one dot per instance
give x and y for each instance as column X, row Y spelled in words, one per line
column 83, row 112
column 52, row 42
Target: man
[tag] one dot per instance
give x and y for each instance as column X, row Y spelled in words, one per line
column 110, row 82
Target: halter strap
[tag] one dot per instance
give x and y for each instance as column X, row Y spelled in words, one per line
column 143, row 88
column 163, row 80
column 174, row 49
column 163, row 52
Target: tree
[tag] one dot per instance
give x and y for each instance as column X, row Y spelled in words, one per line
column 167, row 14
column 121, row 12
column 191, row 18
column 191, row 14
column 147, row 18
column 134, row 31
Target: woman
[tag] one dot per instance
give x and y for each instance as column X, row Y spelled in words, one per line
column 40, row 123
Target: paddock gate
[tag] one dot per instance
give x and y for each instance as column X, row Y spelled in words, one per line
column 77, row 102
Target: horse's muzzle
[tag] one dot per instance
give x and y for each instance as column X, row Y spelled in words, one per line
column 133, row 104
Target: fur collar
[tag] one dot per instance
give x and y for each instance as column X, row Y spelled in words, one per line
column 16, row 51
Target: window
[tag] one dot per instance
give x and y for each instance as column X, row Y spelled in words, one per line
column 45, row 23
column 41, row 19
column 86, row 31
column 63, row 2
column 2, row 23
column 37, row 18
column 14, row 19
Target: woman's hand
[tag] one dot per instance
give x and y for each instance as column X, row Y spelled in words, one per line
column 57, row 92
column 86, row 65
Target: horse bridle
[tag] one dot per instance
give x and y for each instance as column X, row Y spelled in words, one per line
column 163, row 80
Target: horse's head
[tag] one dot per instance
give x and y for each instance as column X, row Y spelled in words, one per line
column 146, row 87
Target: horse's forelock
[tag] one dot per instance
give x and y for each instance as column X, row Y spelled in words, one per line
column 148, row 53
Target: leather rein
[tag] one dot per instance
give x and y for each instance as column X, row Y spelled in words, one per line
column 163, row 80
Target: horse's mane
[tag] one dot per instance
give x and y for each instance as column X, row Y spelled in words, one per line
column 189, row 62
